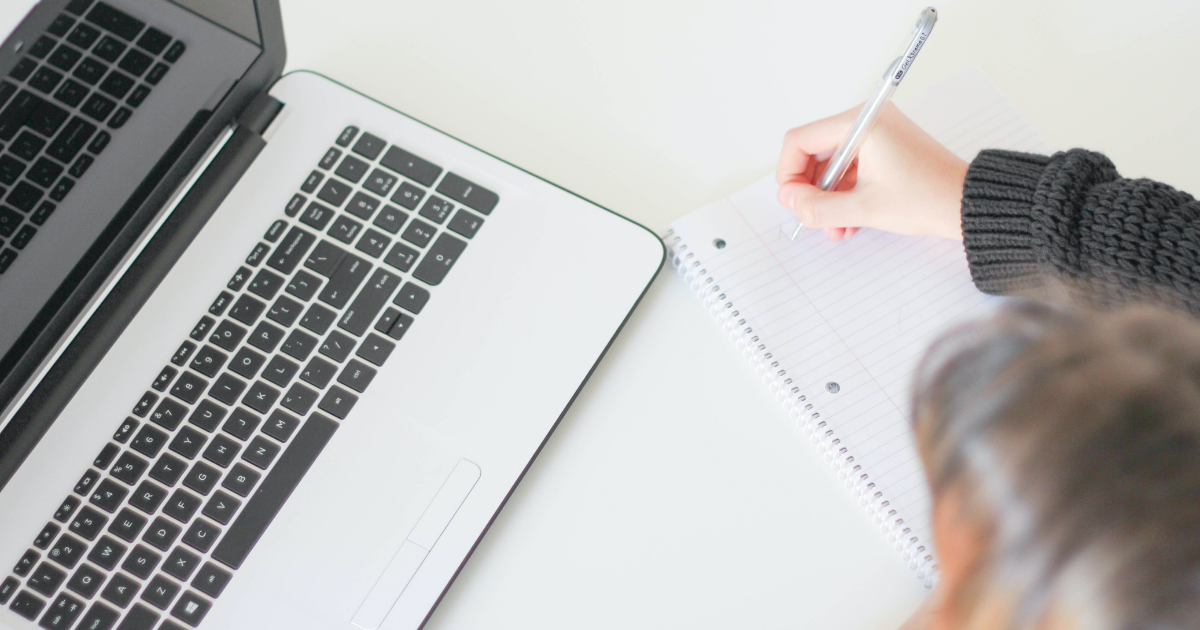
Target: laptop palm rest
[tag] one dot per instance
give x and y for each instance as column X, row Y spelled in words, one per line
column 416, row 546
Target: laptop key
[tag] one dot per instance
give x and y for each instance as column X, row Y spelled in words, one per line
column 27, row 605
column 311, row 182
column 7, row 588
column 202, row 478
column 99, row 617
column 373, row 243
column 42, row 214
column 108, row 497
column 138, row 95
column 46, row 536
column 26, row 563
column 285, row 311
column 62, row 188
column 241, row 425
column 278, row 485
column 119, row 118
column 299, row 399
column 403, row 323
column 106, row 553
column 84, row 486
column 418, row 233
column 46, row 579
column 99, row 142
column 175, row 51
column 261, row 452
column 387, row 320
column 468, row 193
column 72, row 94
column 227, row 389
column 148, row 399
column 411, row 166
column 260, row 397
column 162, row 533
column 10, row 169
column 362, row 206
column 125, row 26
column 201, row 535
column 325, row 258
column 337, row 346
column 345, row 281
column 168, row 469
column 391, row 219
column 412, row 298
column 334, row 192
column 221, row 507
column 13, row 116
column 380, row 182
column 135, row 62
column 344, row 138
column 299, row 345
column 23, row 68
column 45, row 80
column 61, row 25
column 189, row 387
column 351, row 169
column 157, row 73
column 436, row 209
column 129, row 468
column 88, row 523
column 266, row 284
column 64, row 58
column 116, row 85
column 247, row 362
column 318, row 372
column 289, row 253
column 275, row 231
column 149, row 441
column 38, row 50
column 208, row 415
column 24, row 235
column 188, row 442
column 280, row 371
column 370, row 301
column 127, row 525
column 120, row 590
column 86, row 581
column 375, row 349
column 257, row 254
column 465, row 224
column 408, row 196
column 180, row 564
column 109, row 49
column 247, row 309
column 221, row 303
column 357, row 376
column 182, row 355
column 240, row 480
column 295, row 204
column 222, row 451
column 62, row 613
column 441, row 257
column 191, row 609
column 318, row 319
column 239, row 279
column 169, row 413
column 345, row 229
column 67, row 551
column 182, row 507
column 66, row 509
column 329, row 159
column 160, row 592
column 316, row 216
column 202, row 328
column 148, row 497
column 369, row 146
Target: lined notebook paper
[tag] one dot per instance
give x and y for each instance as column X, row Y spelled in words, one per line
column 836, row 328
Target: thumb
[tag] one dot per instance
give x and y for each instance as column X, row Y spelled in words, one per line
column 826, row 209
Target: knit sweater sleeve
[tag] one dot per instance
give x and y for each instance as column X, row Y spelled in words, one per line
column 1031, row 220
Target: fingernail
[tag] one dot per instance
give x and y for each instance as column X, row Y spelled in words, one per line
column 786, row 193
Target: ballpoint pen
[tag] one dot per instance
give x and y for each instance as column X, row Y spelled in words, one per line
column 848, row 149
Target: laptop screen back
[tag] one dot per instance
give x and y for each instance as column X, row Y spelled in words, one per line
column 111, row 86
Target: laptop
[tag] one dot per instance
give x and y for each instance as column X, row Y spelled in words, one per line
column 272, row 354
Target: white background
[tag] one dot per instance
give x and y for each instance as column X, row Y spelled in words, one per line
column 671, row 494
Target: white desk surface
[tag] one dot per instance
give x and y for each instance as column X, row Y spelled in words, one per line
column 670, row 495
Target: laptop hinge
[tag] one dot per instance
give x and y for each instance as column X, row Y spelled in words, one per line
column 260, row 112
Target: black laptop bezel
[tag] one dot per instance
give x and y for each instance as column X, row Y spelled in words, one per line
column 37, row 412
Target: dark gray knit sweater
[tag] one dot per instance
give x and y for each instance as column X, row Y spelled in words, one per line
column 1031, row 219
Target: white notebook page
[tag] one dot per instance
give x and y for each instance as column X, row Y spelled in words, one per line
column 857, row 313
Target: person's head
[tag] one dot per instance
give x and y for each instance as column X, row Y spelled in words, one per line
column 1063, row 450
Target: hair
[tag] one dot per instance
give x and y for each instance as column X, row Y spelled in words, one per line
column 1072, row 439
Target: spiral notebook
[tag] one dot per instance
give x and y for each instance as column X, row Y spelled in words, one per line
column 836, row 329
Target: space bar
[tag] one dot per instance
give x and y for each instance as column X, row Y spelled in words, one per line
column 275, row 489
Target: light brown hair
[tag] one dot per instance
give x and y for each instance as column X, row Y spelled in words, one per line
column 1072, row 439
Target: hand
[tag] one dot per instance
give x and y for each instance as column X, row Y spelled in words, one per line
column 903, row 180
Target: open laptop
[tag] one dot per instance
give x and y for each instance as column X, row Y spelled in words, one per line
column 272, row 354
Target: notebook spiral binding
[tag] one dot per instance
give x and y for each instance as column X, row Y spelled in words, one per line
column 802, row 411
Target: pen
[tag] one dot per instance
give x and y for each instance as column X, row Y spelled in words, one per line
column 848, row 149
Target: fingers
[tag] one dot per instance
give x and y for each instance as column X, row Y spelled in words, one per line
column 802, row 143
column 820, row 209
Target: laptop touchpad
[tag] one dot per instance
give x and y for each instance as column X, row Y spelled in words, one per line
column 416, row 546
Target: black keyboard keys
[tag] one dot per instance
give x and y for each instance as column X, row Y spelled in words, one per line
column 469, row 194
column 67, row 551
column 465, row 224
column 127, row 525
column 107, row 553
column 86, row 581
column 412, row 298
column 291, row 250
column 125, row 26
column 325, row 258
column 367, row 306
column 108, row 496
column 120, row 589
column 46, row 579
column 411, row 166
column 88, row 523
column 344, row 282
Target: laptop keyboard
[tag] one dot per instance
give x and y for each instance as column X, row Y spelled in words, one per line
column 77, row 84
column 175, row 502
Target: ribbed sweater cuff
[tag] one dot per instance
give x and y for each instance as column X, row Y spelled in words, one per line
column 997, row 203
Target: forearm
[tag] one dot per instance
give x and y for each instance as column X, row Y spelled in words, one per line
column 1030, row 220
